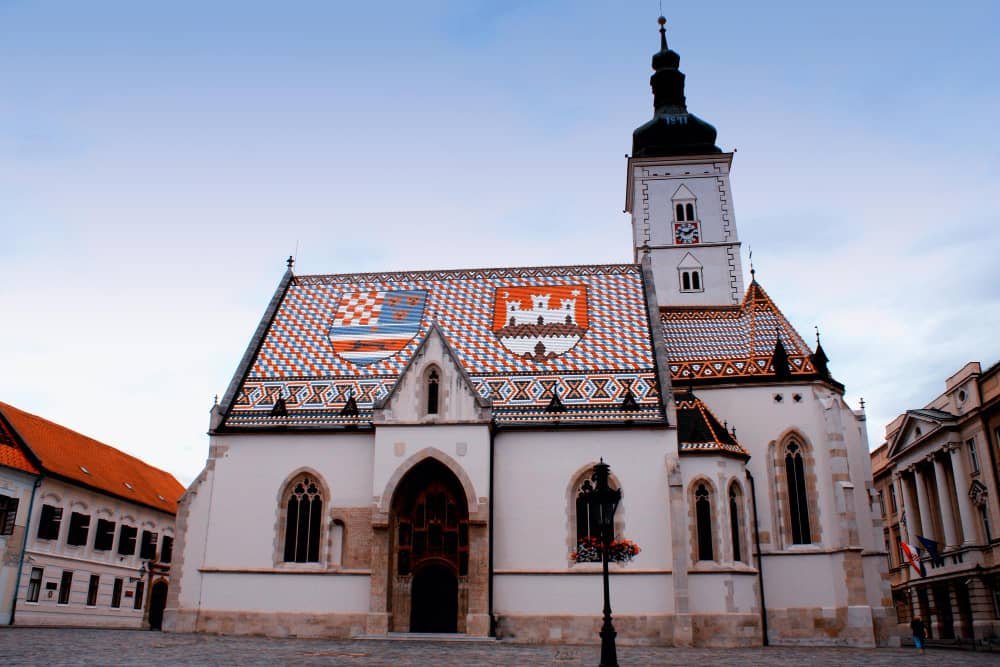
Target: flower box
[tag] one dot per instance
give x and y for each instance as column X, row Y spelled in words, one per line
column 588, row 550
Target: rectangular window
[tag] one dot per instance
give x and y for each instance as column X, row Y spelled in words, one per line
column 104, row 537
column 79, row 526
column 167, row 549
column 34, row 584
column 984, row 512
column 881, row 502
column 139, row 590
column 973, row 456
column 95, row 583
column 116, row 593
column 892, row 498
column 126, row 540
column 65, row 585
column 48, row 523
column 148, row 548
column 8, row 513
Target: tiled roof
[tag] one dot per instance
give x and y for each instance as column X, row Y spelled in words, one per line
column 81, row 459
column 519, row 333
column 699, row 430
column 11, row 454
column 728, row 343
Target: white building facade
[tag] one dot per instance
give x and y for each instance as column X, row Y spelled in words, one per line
column 97, row 531
column 410, row 452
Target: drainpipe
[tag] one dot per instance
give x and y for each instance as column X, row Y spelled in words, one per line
column 760, row 568
column 24, row 546
column 493, row 625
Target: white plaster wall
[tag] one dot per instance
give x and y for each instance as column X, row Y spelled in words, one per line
column 13, row 484
column 188, row 576
column 715, row 276
column 534, row 470
column 317, row 593
column 582, row 594
column 56, row 556
column 804, row 581
column 250, row 476
column 708, row 592
column 468, row 445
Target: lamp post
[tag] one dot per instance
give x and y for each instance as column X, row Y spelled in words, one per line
column 605, row 502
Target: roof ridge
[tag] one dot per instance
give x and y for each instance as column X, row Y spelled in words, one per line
column 542, row 267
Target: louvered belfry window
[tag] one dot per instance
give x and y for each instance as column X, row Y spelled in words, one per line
column 304, row 522
column 798, row 502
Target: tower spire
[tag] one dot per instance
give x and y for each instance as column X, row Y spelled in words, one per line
column 672, row 131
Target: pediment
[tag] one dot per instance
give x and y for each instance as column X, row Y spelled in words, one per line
column 683, row 194
column 689, row 262
column 434, row 361
column 919, row 427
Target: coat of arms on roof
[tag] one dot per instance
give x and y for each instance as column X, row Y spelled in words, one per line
column 541, row 321
column 373, row 324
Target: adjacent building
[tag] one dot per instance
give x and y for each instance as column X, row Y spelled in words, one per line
column 91, row 528
column 412, row 451
column 936, row 484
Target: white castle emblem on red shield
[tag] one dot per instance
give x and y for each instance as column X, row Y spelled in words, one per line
column 540, row 321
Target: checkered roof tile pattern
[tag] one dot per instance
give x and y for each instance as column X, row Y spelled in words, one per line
column 298, row 363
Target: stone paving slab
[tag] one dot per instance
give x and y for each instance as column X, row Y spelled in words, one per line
column 74, row 646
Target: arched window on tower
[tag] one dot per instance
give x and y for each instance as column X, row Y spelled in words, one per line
column 303, row 520
column 695, row 281
column 433, row 387
column 735, row 516
column 703, row 518
column 680, row 212
column 689, row 209
column 798, row 501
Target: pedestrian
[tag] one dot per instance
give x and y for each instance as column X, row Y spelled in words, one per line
column 919, row 632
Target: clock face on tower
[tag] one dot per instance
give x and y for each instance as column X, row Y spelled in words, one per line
column 686, row 232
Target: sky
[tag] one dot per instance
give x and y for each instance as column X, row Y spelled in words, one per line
column 159, row 161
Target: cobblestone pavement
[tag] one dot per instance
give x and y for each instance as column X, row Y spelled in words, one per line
column 45, row 646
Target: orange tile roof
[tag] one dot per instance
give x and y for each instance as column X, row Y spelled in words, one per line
column 67, row 453
column 11, row 454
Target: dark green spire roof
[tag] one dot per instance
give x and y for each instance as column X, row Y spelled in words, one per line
column 672, row 131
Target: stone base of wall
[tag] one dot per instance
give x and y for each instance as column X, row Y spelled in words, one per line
column 270, row 624
column 821, row 626
column 638, row 630
column 886, row 627
column 726, row 630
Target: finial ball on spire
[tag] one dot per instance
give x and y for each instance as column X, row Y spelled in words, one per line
column 662, row 20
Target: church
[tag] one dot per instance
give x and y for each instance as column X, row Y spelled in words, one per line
column 409, row 452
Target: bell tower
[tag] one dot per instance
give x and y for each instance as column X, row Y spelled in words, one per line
column 679, row 197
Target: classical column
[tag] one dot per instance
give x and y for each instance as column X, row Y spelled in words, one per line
column 966, row 511
column 923, row 505
column 944, row 501
column 903, row 494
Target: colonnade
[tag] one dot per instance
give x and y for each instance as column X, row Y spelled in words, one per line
column 920, row 509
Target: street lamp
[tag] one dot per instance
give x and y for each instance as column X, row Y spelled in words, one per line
column 604, row 502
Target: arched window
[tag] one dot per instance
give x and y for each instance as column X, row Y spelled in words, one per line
column 735, row 514
column 703, row 517
column 695, row 280
column 588, row 518
column 686, row 280
column 304, row 521
column 690, row 211
column 433, row 385
column 680, row 213
column 798, row 501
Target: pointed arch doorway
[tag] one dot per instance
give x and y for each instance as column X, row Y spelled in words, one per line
column 429, row 551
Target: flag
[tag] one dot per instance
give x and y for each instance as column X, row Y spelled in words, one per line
column 932, row 549
column 910, row 553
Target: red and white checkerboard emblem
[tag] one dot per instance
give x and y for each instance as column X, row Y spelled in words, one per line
column 359, row 310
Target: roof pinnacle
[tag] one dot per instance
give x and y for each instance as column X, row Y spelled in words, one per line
column 663, row 32
column 290, row 262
